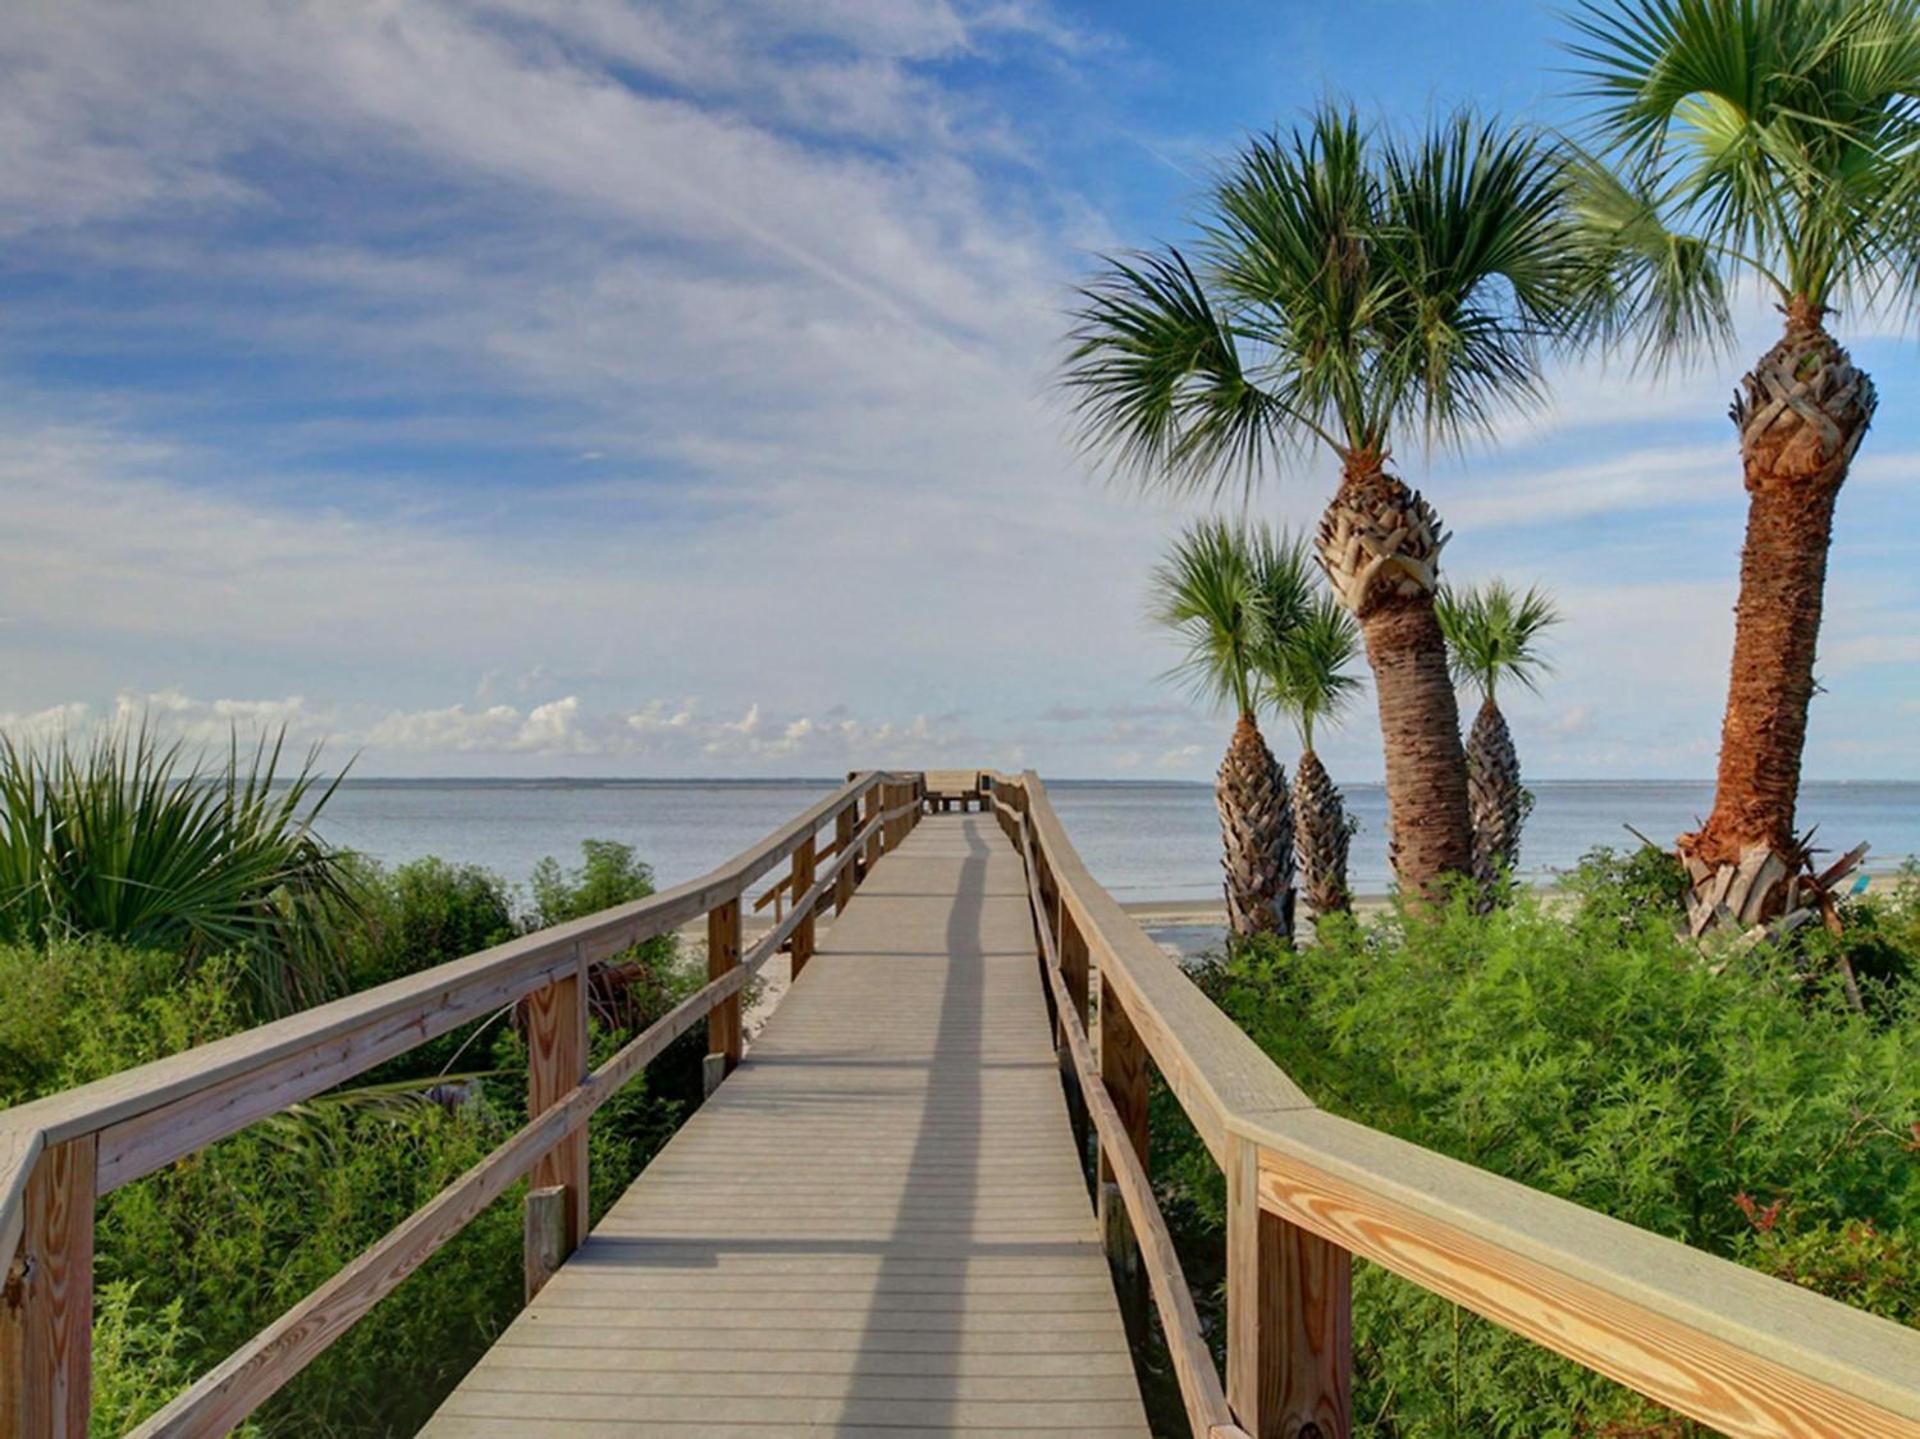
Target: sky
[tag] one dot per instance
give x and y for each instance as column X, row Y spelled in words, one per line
column 523, row 388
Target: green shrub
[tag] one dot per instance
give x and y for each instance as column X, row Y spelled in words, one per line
column 198, row 1257
column 609, row 874
column 1880, row 931
column 128, row 840
column 1735, row 1105
column 635, row 987
column 423, row 913
column 139, row 1356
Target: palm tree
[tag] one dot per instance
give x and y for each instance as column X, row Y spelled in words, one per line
column 1493, row 633
column 1347, row 286
column 1306, row 678
column 1219, row 588
column 1776, row 141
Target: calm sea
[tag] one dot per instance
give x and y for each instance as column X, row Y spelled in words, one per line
column 1144, row 841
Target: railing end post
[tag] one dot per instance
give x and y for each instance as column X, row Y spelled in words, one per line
column 1289, row 1316
column 725, row 1040
column 46, row 1315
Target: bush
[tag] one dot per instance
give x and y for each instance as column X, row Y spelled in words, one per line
column 1740, row 1107
column 609, row 874
column 423, row 913
column 195, row 1259
column 127, row 840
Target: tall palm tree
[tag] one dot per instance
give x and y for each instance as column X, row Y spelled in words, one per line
column 1223, row 588
column 1777, row 142
column 1347, row 286
column 1306, row 678
column 1493, row 633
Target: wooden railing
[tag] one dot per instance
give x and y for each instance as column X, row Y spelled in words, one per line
column 1748, row 1354
column 59, row 1154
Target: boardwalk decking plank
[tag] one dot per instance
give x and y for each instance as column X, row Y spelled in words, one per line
column 876, row 1226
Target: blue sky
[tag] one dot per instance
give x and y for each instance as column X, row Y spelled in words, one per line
column 526, row 388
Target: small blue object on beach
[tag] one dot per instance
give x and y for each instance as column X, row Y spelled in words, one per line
column 1860, row 884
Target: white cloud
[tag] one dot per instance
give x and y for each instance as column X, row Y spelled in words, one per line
column 782, row 292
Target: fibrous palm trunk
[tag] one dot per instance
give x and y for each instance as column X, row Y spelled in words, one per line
column 1256, row 825
column 1495, row 796
column 1321, row 834
column 1380, row 544
column 1802, row 413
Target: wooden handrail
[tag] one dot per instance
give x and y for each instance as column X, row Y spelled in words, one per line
column 58, row 1154
column 1746, row 1353
column 1200, row 1390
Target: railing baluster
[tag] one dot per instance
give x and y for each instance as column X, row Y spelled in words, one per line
column 46, row 1321
column 556, row 1063
column 1289, row 1317
column 723, row 1021
column 843, row 831
column 876, row 804
column 802, row 882
column 1071, row 946
column 1123, row 1071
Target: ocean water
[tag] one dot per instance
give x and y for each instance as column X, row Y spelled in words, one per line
column 1144, row 841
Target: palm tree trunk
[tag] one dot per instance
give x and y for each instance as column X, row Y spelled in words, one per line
column 1256, row 826
column 1321, row 835
column 1495, row 796
column 1380, row 543
column 1802, row 413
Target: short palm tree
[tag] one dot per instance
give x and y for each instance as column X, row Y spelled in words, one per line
column 1493, row 633
column 1222, row 588
column 1306, row 678
column 1776, row 141
column 138, row 841
column 1347, row 287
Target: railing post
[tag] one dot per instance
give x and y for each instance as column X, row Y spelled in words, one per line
column 556, row 1063
column 875, row 803
column 723, row 1020
column 843, row 831
column 1072, row 949
column 1123, row 1069
column 1289, row 1317
column 802, row 882
column 46, row 1321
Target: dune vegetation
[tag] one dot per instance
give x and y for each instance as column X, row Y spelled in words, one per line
column 155, row 901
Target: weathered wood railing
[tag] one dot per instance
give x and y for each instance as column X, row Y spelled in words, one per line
column 1306, row 1191
column 59, row 1154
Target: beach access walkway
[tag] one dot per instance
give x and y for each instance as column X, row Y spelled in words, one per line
column 875, row 1224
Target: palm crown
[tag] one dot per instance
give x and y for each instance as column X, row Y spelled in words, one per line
column 1346, row 283
column 1233, row 591
column 1781, row 137
column 1305, row 675
column 1493, row 633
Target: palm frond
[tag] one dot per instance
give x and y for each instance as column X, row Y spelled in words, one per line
column 1155, row 379
column 1656, row 287
column 1212, row 590
column 1347, row 284
column 1493, row 633
column 130, row 838
column 1306, row 675
column 1783, row 135
column 1295, row 222
column 1487, row 271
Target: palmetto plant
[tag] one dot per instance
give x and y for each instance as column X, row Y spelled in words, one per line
column 127, row 838
column 1226, row 589
column 1776, row 142
column 1348, row 288
column 1306, row 677
column 1493, row 633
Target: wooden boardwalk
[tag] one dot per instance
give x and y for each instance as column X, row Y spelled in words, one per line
column 876, row 1225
